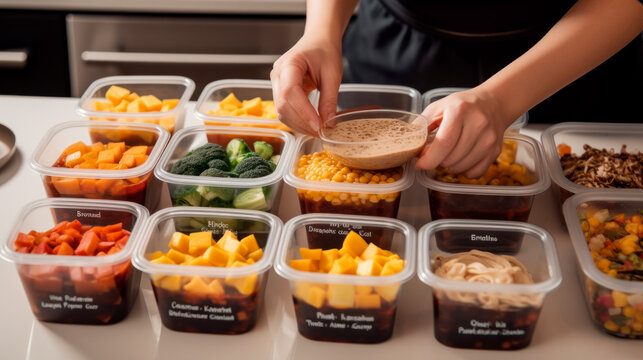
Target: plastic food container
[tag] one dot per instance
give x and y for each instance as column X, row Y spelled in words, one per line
column 468, row 201
column 235, row 309
column 243, row 89
column 343, row 197
column 134, row 184
column 489, row 315
column 163, row 87
column 372, row 96
column 348, row 323
column 439, row 93
column 597, row 135
column 195, row 136
column 615, row 305
column 78, row 289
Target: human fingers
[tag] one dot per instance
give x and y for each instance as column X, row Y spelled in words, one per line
column 485, row 147
column 284, row 112
column 479, row 169
column 475, row 133
column 433, row 114
column 291, row 87
column 445, row 140
column 328, row 90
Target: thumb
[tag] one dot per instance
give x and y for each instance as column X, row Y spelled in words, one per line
column 433, row 114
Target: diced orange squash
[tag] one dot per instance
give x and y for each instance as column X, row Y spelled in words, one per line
column 108, row 166
column 97, row 147
column 199, row 261
column 131, row 97
column 152, row 103
column 140, row 159
column 88, row 186
column 88, row 244
column 235, row 257
column 136, row 150
column 354, row 244
column 216, row 256
column 370, row 252
column 315, row 296
column 230, row 100
column 327, row 259
column 136, row 105
column 102, row 106
column 235, row 246
column 91, row 156
column 171, row 283
column 67, row 186
column 388, row 292
column 369, row 301
column 162, row 260
column 106, row 156
column 73, row 159
column 197, row 286
column 253, row 106
column 245, row 285
column 180, row 242
column 103, row 185
column 65, row 249
column 302, row 264
column 216, row 287
column 393, row 266
column 78, row 146
column 115, row 94
column 344, row 265
column 128, row 160
column 250, row 242
column 312, row 254
column 167, row 122
column 368, row 268
column 341, row 296
column 155, row 255
column 256, row 255
column 170, row 103
column 199, row 242
column 226, row 235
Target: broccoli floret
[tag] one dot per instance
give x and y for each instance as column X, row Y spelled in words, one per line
column 219, row 164
column 220, row 203
column 186, row 195
column 217, row 173
column 189, row 165
column 253, row 163
column 264, row 149
column 210, row 151
column 235, row 148
column 210, row 193
column 240, row 158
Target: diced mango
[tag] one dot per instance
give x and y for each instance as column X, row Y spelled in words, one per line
column 341, row 296
column 368, row 268
column 136, row 105
column 199, row 242
column 315, row 296
column 115, row 94
column 250, row 242
column 199, row 261
column 393, row 266
column 102, row 106
column 235, row 257
column 369, row 301
column 88, row 186
column 151, row 102
column 245, row 285
column 312, row 254
column 216, row 288
column 256, row 255
column 344, row 265
column 106, row 156
column 388, row 292
column 122, row 106
column 327, row 259
column 302, row 264
column 232, row 245
column 370, row 252
column 67, row 186
column 140, row 159
column 226, row 235
column 170, row 103
column 131, row 97
column 197, row 286
column 108, row 166
column 167, row 122
column 216, row 256
column 103, row 185
column 354, row 245
column 78, row 146
column 253, row 106
column 171, row 283
column 180, row 242
column 128, row 160
column 155, row 255
column 73, row 159
column 363, row 289
column 176, row 256
column 162, row 260
column 230, row 100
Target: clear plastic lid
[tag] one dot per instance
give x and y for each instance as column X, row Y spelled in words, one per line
column 294, row 236
column 243, row 89
column 393, row 97
column 163, row 223
column 163, row 87
column 192, row 137
column 598, row 135
column 40, row 215
column 537, row 253
column 438, row 93
column 623, row 201
column 307, row 145
column 59, row 137
column 528, row 154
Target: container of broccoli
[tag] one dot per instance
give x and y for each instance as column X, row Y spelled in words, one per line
column 226, row 167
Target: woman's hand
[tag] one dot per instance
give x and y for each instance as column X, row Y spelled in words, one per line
column 469, row 138
column 313, row 63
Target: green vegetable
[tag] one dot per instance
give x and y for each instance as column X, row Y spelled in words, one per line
column 219, row 164
column 186, row 195
column 616, row 233
column 251, row 199
column 210, row 151
column 212, row 172
column 253, row 167
column 275, row 159
column 209, row 193
column 220, row 203
column 240, row 158
column 235, row 148
column 189, row 165
column 264, row 149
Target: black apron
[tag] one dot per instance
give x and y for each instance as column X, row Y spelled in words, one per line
column 386, row 45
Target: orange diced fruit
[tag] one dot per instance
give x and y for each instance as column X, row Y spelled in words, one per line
column 230, row 100
column 136, row 105
column 392, row 267
column 152, row 103
column 79, row 146
column 136, row 150
column 256, row 255
column 354, row 244
column 73, row 159
column 106, row 156
column 368, row 301
column 131, row 97
column 116, row 93
column 108, row 166
column 97, row 147
column 140, row 159
column 102, row 106
column 180, row 242
column 170, row 103
column 88, row 186
column 122, row 106
column 302, row 264
column 167, row 122
column 250, row 243
column 128, row 160
column 67, row 186
column 253, row 106
column 312, row 254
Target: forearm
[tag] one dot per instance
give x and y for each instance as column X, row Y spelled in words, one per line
column 590, row 33
column 328, row 18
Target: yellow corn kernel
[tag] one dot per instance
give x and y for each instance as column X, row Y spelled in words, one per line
column 611, row 326
column 593, row 222
column 628, row 311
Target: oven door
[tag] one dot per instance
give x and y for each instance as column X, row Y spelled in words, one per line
column 202, row 48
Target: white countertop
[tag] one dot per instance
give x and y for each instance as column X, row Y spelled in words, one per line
column 564, row 330
column 277, row 7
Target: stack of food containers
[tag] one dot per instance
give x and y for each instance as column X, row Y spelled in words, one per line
column 73, row 257
column 436, row 94
column 371, row 96
column 250, row 193
column 486, row 299
column 159, row 100
column 227, row 252
column 610, row 142
column 606, row 228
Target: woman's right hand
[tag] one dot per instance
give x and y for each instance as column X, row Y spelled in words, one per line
column 313, row 63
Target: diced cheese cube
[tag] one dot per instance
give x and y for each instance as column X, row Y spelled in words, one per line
column 180, row 242
column 341, row 296
column 354, row 245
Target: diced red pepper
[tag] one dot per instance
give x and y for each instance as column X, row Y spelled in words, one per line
column 88, row 244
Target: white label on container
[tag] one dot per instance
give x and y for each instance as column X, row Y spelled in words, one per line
column 340, row 229
column 489, row 328
column 335, row 320
column 205, row 312
column 68, row 302
column 88, row 214
column 484, row 238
